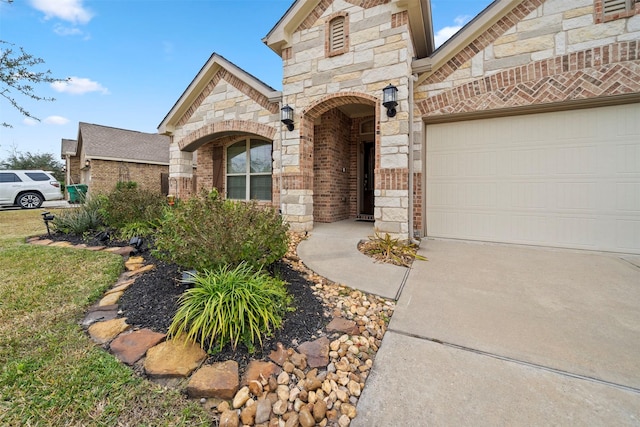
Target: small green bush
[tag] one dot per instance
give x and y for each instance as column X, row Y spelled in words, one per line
column 206, row 232
column 140, row 229
column 126, row 185
column 128, row 204
column 82, row 219
column 230, row 305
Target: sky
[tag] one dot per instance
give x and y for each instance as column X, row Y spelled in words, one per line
column 128, row 61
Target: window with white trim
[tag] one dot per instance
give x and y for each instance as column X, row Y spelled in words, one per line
column 249, row 169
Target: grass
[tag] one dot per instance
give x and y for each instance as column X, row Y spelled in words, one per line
column 51, row 373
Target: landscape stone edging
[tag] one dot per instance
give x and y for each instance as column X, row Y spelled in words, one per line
column 319, row 384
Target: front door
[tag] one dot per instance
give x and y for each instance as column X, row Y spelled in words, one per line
column 367, row 162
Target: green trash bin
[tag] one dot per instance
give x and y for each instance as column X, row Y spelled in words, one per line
column 77, row 193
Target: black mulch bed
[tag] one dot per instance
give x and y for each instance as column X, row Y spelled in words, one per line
column 151, row 303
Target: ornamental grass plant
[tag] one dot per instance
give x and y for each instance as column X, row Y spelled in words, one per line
column 81, row 219
column 230, row 305
column 391, row 250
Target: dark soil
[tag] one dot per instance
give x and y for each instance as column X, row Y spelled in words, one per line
column 152, row 301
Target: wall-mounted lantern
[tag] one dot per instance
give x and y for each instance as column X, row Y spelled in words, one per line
column 390, row 99
column 87, row 163
column 287, row 117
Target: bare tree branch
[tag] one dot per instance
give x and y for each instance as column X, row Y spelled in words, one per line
column 17, row 75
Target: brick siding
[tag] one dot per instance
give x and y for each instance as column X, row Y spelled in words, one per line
column 332, row 154
column 105, row 174
column 399, row 19
column 243, row 126
column 74, row 170
column 599, row 71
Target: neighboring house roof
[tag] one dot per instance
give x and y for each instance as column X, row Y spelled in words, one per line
column 419, row 20
column 202, row 79
column 68, row 147
column 108, row 143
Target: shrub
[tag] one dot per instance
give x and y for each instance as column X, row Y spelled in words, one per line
column 140, row 229
column 128, row 204
column 82, row 219
column 126, row 185
column 230, row 305
column 206, row 232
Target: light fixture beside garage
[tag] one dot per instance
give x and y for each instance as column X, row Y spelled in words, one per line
column 287, row 117
column 390, row 99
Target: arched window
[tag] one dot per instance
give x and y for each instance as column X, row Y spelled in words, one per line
column 249, row 168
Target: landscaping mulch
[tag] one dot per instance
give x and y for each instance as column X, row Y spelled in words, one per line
column 152, row 301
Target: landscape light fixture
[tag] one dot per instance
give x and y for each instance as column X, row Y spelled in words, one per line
column 46, row 217
column 287, row 117
column 390, row 99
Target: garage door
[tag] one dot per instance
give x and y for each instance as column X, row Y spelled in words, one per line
column 567, row 179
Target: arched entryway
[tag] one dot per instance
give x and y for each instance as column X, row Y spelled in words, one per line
column 343, row 153
column 236, row 158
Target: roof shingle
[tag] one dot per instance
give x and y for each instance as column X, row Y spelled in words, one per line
column 120, row 144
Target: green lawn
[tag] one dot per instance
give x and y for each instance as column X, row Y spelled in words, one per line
column 52, row 373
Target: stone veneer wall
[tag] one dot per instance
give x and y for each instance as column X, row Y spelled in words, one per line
column 227, row 104
column 379, row 53
column 555, row 53
column 106, row 173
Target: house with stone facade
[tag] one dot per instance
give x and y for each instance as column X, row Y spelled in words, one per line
column 522, row 128
column 102, row 156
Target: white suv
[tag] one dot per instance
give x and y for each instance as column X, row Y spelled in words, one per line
column 28, row 188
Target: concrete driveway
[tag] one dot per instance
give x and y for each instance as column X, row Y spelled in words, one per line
column 504, row 335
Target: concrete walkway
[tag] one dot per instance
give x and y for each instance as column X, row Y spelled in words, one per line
column 504, row 335
column 332, row 252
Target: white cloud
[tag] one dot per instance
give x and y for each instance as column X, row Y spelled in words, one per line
column 67, row 10
column 30, row 121
column 444, row 34
column 79, row 86
column 61, row 30
column 56, row 120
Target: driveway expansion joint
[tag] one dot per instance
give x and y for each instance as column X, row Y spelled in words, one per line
column 518, row 361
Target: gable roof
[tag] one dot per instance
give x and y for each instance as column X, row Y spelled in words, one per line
column 465, row 36
column 108, row 143
column 420, row 22
column 202, row 79
column 68, row 147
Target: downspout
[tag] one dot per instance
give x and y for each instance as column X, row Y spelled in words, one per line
column 412, row 239
column 282, row 134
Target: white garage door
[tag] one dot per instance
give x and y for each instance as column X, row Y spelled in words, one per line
column 566, row 179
